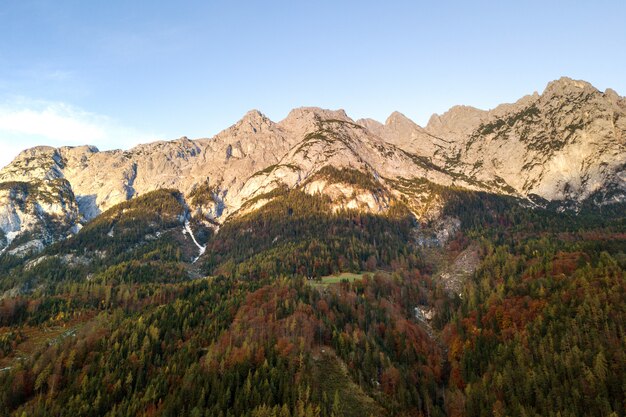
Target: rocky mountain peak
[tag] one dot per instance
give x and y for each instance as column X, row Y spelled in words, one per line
column 566, row 85
column 457, row 122
column 612, row 95
column 398, row 119
column 253, row 122
column 372, row 125
column 322, row 114
column 369, row 123
column 36, row 151
column 255, row 117
column 37, row 163
column 400, row 128
column 307, row 119
column 316, row 113
column 83, row 149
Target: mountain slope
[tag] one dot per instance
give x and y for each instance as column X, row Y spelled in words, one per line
column 567, row 145
column 127, row 332
column 119, row 319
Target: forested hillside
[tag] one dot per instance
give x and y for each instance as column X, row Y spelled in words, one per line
column 118, row 321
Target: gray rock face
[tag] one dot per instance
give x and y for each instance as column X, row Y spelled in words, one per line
column 565, row 144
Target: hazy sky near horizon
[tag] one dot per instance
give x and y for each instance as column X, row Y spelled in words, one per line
column 117, row 73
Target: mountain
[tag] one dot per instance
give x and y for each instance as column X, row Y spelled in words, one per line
column 322, row 266
column 567, row 145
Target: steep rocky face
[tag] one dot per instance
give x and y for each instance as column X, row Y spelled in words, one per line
column 565, row 144
column 226, row 160
column 35, row 198
column 249, row 159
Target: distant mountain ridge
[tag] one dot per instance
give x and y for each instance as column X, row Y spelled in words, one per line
column 567, row 144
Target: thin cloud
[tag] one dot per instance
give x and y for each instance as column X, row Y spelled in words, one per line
column 55, row 122
column 27, row 123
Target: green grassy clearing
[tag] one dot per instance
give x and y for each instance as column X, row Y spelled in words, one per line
column 336, row 279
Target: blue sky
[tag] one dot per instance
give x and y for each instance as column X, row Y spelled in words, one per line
column 117, row 73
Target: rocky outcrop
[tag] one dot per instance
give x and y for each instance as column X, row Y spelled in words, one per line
column 566, row 144
column 36, row 199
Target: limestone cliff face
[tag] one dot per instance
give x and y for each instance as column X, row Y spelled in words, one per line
column 37, row 204
column 569, row 143
column 566, row 144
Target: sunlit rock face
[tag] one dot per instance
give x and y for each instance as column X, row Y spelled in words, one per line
column 567, row 143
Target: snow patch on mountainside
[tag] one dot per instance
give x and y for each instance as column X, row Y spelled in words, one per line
column 201, row 249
